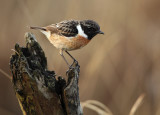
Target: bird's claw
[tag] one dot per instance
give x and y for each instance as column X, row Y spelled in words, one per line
column 72, row 66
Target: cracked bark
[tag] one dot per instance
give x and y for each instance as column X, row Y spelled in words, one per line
column 38, row 90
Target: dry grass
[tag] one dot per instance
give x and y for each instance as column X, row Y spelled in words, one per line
column 115, row 68
column 5, row 74
column 101, row 109
column 137, row 104
column 96, row 106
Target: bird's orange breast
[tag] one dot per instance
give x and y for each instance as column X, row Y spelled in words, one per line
column 66, row 43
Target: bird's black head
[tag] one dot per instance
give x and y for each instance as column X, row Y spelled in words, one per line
column 90, row 28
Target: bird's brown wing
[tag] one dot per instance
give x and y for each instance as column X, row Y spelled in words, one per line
column 66, row 28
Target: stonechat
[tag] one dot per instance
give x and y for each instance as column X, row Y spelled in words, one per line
column 70, row 34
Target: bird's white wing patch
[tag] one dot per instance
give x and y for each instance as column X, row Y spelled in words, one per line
column 81, row 32
column 46, row 33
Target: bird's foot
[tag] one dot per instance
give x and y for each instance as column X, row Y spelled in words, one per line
column 73, row 66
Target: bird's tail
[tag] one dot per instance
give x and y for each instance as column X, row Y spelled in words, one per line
column 38, row 28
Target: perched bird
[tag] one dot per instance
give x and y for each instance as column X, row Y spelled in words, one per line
column 70, row 34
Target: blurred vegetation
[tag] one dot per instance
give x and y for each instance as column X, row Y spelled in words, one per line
column 115, row 68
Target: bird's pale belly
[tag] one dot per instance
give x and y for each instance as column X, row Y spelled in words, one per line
column 68, row 44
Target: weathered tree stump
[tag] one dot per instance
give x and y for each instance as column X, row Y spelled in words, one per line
column 38, row 90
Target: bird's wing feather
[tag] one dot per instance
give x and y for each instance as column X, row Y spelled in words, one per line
column 65, row 28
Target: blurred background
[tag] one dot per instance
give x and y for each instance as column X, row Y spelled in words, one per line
column 116, row 68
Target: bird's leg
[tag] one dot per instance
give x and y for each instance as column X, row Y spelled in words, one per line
column 74, row 60
column 61, row 53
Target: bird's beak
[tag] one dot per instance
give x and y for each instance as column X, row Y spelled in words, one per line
column 100, row 32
